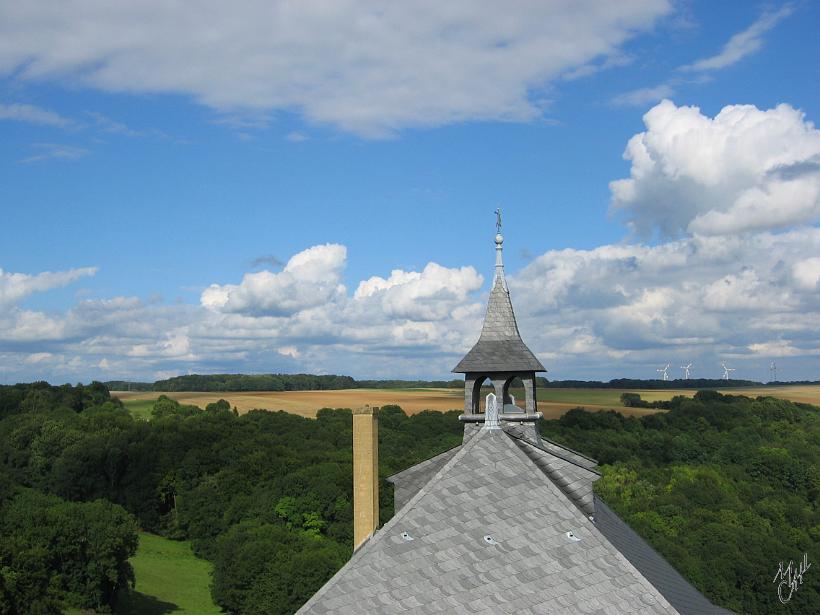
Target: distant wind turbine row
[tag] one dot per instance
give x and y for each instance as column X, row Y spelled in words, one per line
column 664, row 371
column 726, row 375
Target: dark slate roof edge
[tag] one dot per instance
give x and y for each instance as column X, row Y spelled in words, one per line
column 588, row 508
column 679, row 592
column 574, row 452
column 516, row 359
column 573, row 462
column 380, row 533
column 399, row 475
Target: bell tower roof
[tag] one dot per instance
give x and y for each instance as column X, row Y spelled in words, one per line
column 499, row 347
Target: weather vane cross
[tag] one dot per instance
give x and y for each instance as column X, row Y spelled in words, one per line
column 498, row 220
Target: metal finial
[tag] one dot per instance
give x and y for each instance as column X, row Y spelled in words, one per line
column 499, row 243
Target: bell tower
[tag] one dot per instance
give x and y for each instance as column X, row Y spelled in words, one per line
column 500, row 355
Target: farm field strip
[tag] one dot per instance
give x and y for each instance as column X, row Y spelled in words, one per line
column 551, row 402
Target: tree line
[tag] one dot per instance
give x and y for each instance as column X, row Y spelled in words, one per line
column 312, row 382
column 271, row 382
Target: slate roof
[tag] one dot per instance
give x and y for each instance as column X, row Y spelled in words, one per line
column 499, row 347
column 574, row 474
column 409, row 482
column 680, row 593
column 488, row 488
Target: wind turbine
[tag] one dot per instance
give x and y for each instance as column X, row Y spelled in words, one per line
column 773, row 372
column 665, row 371
column 726, row 371
column 685, row 369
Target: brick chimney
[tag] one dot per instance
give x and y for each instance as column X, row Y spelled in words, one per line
column 365, row 474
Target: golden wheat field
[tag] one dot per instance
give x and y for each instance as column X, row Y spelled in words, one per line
column 551, row 402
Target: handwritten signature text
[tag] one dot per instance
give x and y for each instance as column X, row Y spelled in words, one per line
column 789, row 578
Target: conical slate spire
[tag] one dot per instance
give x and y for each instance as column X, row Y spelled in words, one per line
column 500, row 347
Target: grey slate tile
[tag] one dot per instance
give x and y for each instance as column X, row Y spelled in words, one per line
column 499, row 347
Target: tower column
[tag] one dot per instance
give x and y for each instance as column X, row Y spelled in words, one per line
column 529, row 393
column 470, row 400
column 498, row 386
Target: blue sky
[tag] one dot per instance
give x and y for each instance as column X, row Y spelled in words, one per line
column 303, row 187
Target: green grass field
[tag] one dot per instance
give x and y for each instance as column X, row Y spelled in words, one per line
column 140, row 408
column 602, row 397
column 553, row 402
column 170, row 580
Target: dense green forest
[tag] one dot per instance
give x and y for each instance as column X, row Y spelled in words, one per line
column 310, row 382
column 271, row 382
column 724, row 486
column 265, row 496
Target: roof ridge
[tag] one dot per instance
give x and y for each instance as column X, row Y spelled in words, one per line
column 554, row 454
column 398, row 474
column 515, row 433
column 562, row 482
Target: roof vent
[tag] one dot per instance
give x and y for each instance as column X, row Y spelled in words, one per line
column 406, row 537
column 490, row 540
column 572, row 536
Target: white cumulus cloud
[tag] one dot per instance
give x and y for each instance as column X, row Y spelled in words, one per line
column 310, row 278
column 746, row 169
column 431, row 294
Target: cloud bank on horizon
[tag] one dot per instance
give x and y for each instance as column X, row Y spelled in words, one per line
column 722, row 260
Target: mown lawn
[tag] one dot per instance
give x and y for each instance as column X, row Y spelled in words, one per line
column 598, row 397
column 170, row 579
column 587, row 397
column 140, row 408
